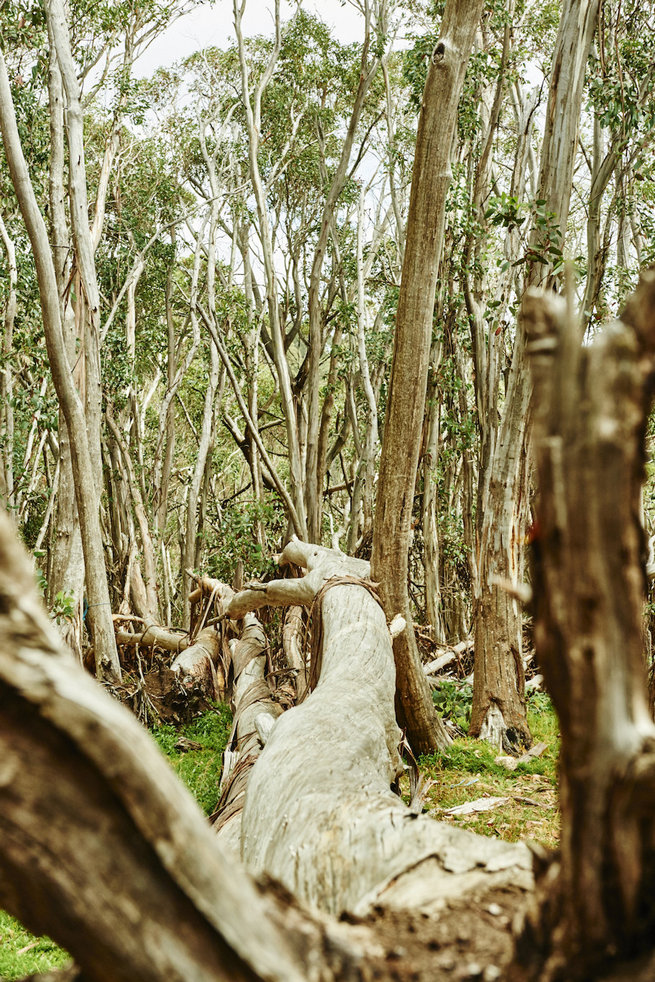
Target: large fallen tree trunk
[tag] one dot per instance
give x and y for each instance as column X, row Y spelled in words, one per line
column 101, row 847
column 320, row 815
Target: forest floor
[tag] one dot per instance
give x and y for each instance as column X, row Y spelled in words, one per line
column 467, row 771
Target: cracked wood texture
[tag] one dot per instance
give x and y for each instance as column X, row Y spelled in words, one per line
column 591, row 405
column 103, row 849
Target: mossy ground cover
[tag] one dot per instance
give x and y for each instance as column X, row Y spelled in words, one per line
column 195, row 751
column 466, row 771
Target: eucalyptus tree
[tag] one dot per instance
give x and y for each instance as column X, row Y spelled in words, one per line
column 87, row 492
column 98, row 51
column 498, row 699
column 404, row 416
column 617, row 154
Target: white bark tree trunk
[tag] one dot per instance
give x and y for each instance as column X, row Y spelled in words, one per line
column 86, row 491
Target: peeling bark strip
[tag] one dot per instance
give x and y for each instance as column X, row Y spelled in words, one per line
column 591, row 408
column 254, row 715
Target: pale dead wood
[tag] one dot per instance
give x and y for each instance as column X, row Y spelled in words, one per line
column 103, row 849
column 319, row 813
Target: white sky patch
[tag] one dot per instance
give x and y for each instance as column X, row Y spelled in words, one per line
column 213, row 27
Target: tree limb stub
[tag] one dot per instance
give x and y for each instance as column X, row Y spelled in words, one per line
column 591, row 408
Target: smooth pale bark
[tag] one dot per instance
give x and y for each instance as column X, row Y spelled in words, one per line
column 320, row 814
column 66, row 572
column 498, row 711
column 363, row 492
column 252, row 100
column 406, row 402
column 106, row 656
column 150, row 608
column 591, row 411
column 429, row 516
column 195, row 665
column 193, row 530
column 314, row 471
column 163, row 468
column 88, row 294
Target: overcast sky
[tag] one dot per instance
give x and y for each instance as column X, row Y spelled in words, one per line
column 213, row 26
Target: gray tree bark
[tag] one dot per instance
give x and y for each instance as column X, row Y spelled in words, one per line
column 86, row 491
column 498, row 712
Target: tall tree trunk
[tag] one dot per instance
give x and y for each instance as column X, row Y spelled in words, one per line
column 252, row 106
column 315, row 474
column 106, row 655
column 499, row 682
column 6, row 382
column 66, row 572
column 406, row 403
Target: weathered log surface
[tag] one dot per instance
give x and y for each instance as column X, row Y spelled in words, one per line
column 195, row 665
column 320, row 815
column 254, row 715
column 100, row 845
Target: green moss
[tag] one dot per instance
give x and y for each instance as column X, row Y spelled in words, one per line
column 198, row 766
column 22, row 954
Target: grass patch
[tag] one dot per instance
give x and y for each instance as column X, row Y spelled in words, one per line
column 22, row 954
column 195, row 751
column 199, row 761
column 467, row 770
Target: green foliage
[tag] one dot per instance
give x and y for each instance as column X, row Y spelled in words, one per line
column 453, row 700
column 235, row 539
column 63, row 607
column 199, row 768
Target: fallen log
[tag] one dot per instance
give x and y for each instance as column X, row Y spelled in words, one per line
column 320, row 815
column 449, row 655
column 102, row 848
column 254, row 713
